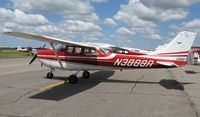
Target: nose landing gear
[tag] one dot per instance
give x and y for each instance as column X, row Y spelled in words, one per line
column 50, row 74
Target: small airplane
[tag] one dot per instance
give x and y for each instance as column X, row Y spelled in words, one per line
column 120, row 50
column 29, row 50
column 196, row 57
column 84, row 57
column 19, row 48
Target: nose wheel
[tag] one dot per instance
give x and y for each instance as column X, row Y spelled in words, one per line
column 49, row 75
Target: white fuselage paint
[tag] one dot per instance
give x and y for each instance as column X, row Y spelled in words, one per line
column 75, row 66
column 72, row 65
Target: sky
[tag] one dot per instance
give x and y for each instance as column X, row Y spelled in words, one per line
column 143, row 24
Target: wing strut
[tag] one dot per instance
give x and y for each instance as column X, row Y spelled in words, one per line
column 61, row 65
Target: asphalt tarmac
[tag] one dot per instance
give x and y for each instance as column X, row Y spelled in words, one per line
column 25, row 92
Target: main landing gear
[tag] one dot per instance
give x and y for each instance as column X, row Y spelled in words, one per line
column 49, row 75
column 86, row 74
column 73, row 78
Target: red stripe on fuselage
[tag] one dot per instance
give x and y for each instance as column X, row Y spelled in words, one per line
column 93, row 60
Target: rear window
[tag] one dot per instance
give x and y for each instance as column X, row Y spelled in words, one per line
column 77, row 50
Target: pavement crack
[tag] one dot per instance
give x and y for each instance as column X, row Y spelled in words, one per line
column 192, row 104
column 135, row 84
column 9, row 115
column 18, row 98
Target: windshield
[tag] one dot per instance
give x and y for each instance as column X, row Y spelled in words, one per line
column 60, row 48
column 104, row 50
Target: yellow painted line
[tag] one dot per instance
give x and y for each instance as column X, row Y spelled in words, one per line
column 51, row 86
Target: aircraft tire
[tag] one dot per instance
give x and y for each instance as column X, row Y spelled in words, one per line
column 86, row 74
column 73, row 79
column 50, row 75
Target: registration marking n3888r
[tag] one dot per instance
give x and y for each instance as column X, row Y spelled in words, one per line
column 133, row 62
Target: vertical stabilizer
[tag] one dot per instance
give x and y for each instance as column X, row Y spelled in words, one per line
column 181, row 43
column 18, row 48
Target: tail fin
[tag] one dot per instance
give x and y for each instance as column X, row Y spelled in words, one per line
column 18, row 48
column 181, row 43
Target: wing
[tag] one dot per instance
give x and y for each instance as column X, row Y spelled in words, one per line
column 43, row 38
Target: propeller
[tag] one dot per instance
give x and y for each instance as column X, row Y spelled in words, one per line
column 35, row 56
column 43, row 46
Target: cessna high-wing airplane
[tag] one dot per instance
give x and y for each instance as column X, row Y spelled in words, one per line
column 83, row 57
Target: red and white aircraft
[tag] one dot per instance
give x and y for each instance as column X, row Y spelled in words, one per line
column 83, row 57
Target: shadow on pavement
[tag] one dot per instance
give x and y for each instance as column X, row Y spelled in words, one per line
column 191, row 72
column 66, row 90
column 172, row 84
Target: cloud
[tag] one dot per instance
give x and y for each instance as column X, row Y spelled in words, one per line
column 122, row 35
column 168, row 4
column 142, row 16
column 19, row 17
column 124, row 31
column 86, row 17
column 78, row 19
column 64, row 7
column 142, row 27
column 110, row 22
column 146, row 10
column 99, row 1
column 76, row 25
column 68, row 9
column 193, row 25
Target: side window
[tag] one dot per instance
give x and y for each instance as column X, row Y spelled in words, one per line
column 90, row 52
column 78, row 50
column 125, row 52
column 86, row 51
column 137, row 50
column 70, row 49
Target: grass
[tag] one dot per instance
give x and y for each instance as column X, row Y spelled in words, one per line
column 11, row 53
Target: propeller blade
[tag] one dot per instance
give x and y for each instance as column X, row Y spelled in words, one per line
column 34, row 57
column 43, row 46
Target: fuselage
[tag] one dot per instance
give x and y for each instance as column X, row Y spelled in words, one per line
column 81, row 58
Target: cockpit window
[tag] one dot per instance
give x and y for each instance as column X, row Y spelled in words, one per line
column 60, row 48
column 104, row 50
